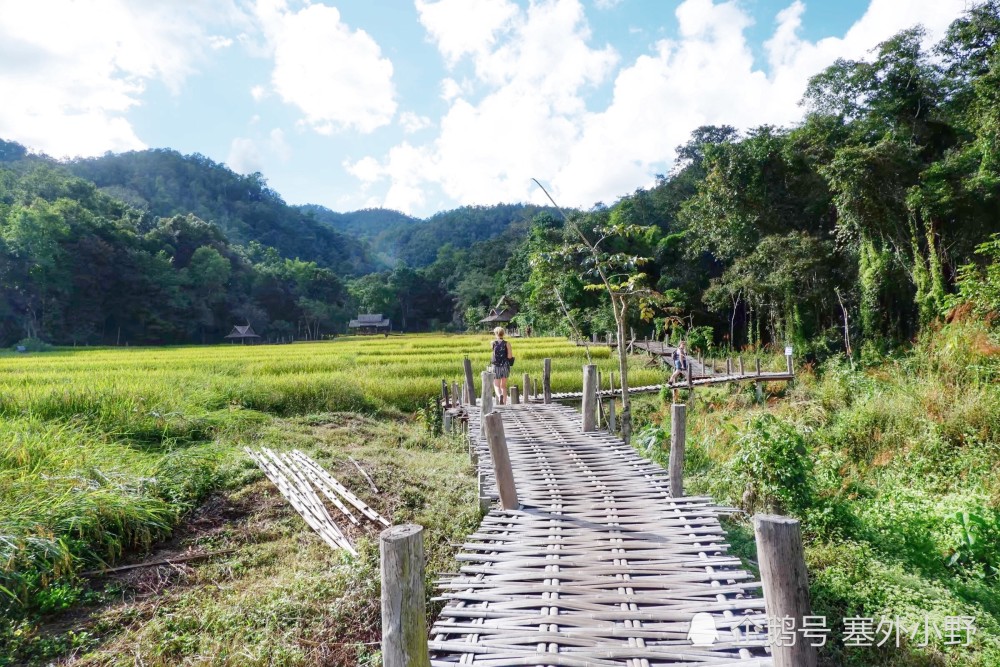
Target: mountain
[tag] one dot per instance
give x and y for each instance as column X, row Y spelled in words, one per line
column 165, row 183
column 397, row 237
column 367, row 223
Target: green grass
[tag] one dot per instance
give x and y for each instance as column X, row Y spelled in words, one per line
column 892, row 470
column 104, row 452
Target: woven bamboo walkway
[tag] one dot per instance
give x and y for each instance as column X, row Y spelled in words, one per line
column 600, row 566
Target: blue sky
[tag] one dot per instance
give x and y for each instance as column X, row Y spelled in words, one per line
column 423, row 105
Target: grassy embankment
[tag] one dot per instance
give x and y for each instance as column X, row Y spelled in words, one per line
column 103, row 453
column 893, row 469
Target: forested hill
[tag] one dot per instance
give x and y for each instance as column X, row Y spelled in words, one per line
column 367, row 223
column 165, row 183
column 397, row 237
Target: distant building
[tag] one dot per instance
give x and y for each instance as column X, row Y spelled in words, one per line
column 501, row 315
column 371, row 324
column 243, row 334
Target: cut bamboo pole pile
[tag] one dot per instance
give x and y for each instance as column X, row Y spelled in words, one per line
column 298, row 477
column 599, row 566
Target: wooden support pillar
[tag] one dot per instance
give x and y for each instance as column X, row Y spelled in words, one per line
column 759, row 389
column 446, row 425
column 690, row 372
column 758, row 365
column 600, row 403
column 589, row 407
column 729, row 366
column 497, row 441
column 788, row 361
column 454, row 392
column 404, row 620
column 444, row 394
column 678, row 435
column 470, row 386
column 515, row 395
column 786, row 584
column 526, row 387
column 741, row 364
column 547, row 380
column 612, row 423
column 486, row 403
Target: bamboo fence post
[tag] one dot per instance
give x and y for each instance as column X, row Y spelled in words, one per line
column 589, row 397
column 600, row 403
column 404, row 620
column 785, row 583
column 547, row 380
column 515, row 396
column 497, row 441
column 526, row 387
column 678, row 434
column 470, row 385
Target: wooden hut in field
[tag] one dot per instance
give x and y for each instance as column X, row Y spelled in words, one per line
column 370, row 324
column 501, row 315
column 243, row 334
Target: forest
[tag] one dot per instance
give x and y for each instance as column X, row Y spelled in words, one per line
column 847, row 231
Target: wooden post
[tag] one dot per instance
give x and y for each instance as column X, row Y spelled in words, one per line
column 486, row 404
column 788, row 361
column 547, row 380
column 786, row 583
column 593, row 338
column 729, row 366
column 515, row 396
column 759, row 388
column 446, row 425
column 690, row 372
column 497, row 441
column 678, row 433
column 444, row 394
column 612, row 425
column 526, row 387
column 758, row 365
column 470, row 386
column 741, row 364
column 404, row 621
column 600, row 403
column 589, row 407
column 454, row 392
column 484, row 500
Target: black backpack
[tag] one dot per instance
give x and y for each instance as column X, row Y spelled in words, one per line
column 500, row 353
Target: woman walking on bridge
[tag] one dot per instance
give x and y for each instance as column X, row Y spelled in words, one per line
column 680, row 361
column 503, row 359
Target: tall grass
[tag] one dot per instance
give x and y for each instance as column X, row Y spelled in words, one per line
column 892, row 469
column 103, row 450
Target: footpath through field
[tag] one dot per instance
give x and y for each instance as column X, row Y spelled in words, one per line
column 599, row 566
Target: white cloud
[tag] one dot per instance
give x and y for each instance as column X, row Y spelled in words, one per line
column 72, row 70
column 461, row 27
column 336, row 76
column 411, row 122
column 219, row 42
column 258, row 93
column 244, row 156
column 536, row 69
column 607, row 4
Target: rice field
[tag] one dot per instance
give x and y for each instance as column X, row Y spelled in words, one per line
column 103, row 451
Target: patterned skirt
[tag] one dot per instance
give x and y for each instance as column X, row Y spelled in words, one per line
column 500, row 370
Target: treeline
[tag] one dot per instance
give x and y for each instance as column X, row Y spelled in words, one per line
column 79, row 267
column 848, row 230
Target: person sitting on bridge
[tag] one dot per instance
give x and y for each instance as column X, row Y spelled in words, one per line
column 680, row 359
